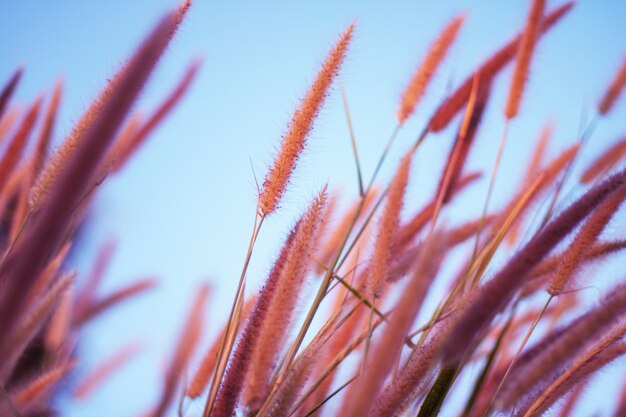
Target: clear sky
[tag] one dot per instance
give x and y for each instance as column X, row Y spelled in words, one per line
column 183, row 209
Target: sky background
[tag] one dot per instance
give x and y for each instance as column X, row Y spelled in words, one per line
column 183, row 208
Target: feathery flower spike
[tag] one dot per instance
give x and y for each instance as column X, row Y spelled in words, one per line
column 300, row 126
column 426, row 70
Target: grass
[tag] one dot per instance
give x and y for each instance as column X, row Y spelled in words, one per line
column 361, row 346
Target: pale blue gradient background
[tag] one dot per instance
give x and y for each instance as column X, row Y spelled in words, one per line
column 183, row 208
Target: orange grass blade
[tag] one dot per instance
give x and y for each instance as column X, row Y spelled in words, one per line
column 488, row 70
column 115, row 88
column 40, row 386
column 332, row 244
column 496, row 294
column 384, row 354
column 43, row 236
column 59, row 327
column 548, row 175
column 45, row 136
column 159, row 115
column 565, row 345
column 388, row 229
column 17, row 144
column 412, row 227
column 30, row 324
column 50, row 272
column 7, row 122
column 234, row 377
column 614, row 91
column 604, row 162
column 96, row 308
column 274, row 329
column 427, row 68
column 524, row 54
column 585, row 239
column 200, row 381
column 97, row 376
column 87, row 293
column 182, row 354
column 607, row 350
column 534, row 167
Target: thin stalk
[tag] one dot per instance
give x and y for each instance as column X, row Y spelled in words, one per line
column 382, row 158
column 517, row 354
column 230, row 333
column 369, row 334
column 490, row 361
column 335, row 392
column 346, row 109
column 428, row 325
column 587, row 133
column 492, row 182
column 338, row 360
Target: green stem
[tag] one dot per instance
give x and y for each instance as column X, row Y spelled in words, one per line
column 438, row 392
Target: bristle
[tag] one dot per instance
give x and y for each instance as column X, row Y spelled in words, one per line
column 584, row 240
column 201, row 378
column 599, row 250
column 97, row 376
column 160, row 113
column 97, row 307
column 119, row 152
column 604, row 162
column 404, row 261
column 534, row 168
column 565, row 346
column 300, row 371
column 60, row 159
column 42, row 236
column 495, row 294
column 6, row 123
column 59, row 328
column 281, row 310
column 524, row 54
column 45, row 136
column 426, row 70
column 396, row 396
column 464, row 140
column 87, row 293
column 546, row 178
column 300, row 126
column 605, row 351
column 239, row 364
column 412, row 227
column 389, row 347
column 184, row 350
column 18, row 143
column 614, row 91
column 8, row 89
column 31, row 323
column 454, row 103
column 388, row 229
column 332, row 244
column 39, row 386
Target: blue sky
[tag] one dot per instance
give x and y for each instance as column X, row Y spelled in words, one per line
column 183, row 209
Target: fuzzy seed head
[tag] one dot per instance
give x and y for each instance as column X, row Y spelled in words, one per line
column 300, row 126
